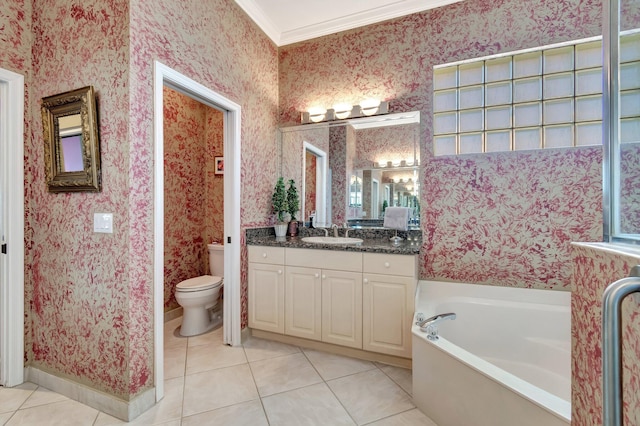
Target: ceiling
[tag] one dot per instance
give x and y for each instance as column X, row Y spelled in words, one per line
column 290, row 21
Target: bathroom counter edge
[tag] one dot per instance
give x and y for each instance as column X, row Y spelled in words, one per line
column 368, row 245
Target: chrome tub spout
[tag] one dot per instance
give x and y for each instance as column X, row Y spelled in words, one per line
column 430, row 325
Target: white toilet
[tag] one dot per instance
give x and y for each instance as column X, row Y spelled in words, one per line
column 198, row 296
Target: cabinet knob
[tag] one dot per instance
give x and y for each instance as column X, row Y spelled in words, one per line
column 280, row 271
column 317, row 275
column 366, row 280
column 324, row 277
column 264, row 255
column 386, row 264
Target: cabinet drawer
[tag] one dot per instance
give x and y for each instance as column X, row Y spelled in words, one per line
column 264, row 254
column 325, row 259
column 390, row 264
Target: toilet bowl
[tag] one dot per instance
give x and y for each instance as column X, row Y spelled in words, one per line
column 199, row 296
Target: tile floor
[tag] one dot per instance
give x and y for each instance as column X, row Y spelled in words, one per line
column 261, row 383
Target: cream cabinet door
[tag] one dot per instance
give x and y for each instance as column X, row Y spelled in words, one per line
column 342, row 308
column 266, row 297
column 303, row 302
column 387, row 312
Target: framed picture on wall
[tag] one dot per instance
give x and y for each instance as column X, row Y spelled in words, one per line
column 219, row 164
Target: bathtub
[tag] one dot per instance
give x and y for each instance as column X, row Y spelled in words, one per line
column 504, row 360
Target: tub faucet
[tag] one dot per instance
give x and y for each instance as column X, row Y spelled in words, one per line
column 335, row 230
column 430, row 325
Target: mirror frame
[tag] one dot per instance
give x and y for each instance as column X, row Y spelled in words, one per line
column 80, row 101
column 360, row 123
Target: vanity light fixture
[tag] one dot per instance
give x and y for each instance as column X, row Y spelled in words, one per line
column 370, row 107
column 343, row 111
column 317, row 114
column 383, row 164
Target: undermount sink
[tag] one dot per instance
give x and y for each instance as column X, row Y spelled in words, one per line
column 332, row 240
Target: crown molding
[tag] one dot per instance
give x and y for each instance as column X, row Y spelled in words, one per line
column 366, row 17
column 258, row 16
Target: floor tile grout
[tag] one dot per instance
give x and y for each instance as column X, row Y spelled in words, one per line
column 266, row 352
column 331, row 390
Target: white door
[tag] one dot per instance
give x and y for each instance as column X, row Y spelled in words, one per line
column 164, row 75
column 11, row 228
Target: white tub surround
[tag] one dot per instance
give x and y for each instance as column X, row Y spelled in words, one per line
column 357, row 300
column 504, row 360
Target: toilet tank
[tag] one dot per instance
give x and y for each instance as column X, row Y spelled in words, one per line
column 216, row 259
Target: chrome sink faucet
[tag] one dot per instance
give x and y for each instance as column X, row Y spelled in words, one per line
column 335, row 230
column 430, row 325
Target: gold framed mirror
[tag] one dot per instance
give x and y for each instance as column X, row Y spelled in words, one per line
column 71, row 145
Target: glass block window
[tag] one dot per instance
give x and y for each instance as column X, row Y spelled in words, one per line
column 548, row 97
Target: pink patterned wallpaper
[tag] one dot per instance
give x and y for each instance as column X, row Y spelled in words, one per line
column 194, row 194
column 502, row 219
column 16, row 37
column 78, row 293
column 594, row 268
column 393, row 144
column 630, row 188
column 216, row 44
column 88, row 296
column 309, row 185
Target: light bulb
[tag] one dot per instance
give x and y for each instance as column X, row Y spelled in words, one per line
column 342, row 111
column 369, row 106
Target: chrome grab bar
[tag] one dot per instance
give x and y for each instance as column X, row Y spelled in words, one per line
column 611, row 353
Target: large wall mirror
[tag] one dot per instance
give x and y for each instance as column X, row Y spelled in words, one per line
column 72, row 149
column 349, row 171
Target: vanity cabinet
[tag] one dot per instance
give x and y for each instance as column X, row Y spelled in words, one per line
column 353, row 299
column 266, row 288
column 323, row 296
column 342, row 308
column 303, row 302
column 389, row 283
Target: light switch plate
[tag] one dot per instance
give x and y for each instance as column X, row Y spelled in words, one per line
column 103, row 223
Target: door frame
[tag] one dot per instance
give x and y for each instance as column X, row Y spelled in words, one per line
column 375, row 198
column 165, row 76
column 321, row 183
column 12, row 205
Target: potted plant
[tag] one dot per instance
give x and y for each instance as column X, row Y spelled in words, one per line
column 293, row 204
column 279, row 206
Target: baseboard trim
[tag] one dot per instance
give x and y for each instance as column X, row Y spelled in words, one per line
column 335, row 349
column 245, row 333
column 109, row 404
column 173, row 314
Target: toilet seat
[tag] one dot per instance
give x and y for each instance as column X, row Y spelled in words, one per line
column 204, row 282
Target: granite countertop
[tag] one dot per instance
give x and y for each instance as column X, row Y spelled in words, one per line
column 379, row 244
